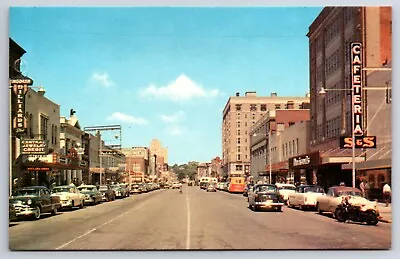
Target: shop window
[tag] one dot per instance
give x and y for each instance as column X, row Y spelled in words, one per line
column 263, row 107
column 381, row 180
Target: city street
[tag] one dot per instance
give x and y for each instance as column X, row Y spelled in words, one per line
column 196, row 219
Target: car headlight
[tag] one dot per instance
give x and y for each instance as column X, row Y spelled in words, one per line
column 29, row 202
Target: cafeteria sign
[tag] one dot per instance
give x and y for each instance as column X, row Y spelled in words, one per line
column 34, row 147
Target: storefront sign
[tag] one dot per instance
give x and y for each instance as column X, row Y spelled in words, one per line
column 20, row 88
column 34, row 147
column 361, row 142
column 301, row 161
column 40, row 158
column 305, row 161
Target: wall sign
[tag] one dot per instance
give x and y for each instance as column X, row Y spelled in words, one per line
column 34, row 147
column 19, row 88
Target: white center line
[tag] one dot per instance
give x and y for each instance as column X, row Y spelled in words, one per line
column 90, row 231
column 188, row 224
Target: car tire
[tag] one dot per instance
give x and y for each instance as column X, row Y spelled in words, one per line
column 54, row 211
column 81, row 205
column 289, row 204
column 279, row 209
column 301, row 207
column 320, row 212
column 37, row 214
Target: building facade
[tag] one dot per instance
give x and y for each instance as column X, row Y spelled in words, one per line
column 137, row 163
column 239, row 114
column 330, row 38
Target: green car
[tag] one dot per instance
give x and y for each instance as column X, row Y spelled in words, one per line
column 92, row 194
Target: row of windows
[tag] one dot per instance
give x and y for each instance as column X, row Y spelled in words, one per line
column 332, row 63
column 239, row 140
column 44, row 121
column 333, row 127
column 290, row 148
column 332, row 31
column 253, row 107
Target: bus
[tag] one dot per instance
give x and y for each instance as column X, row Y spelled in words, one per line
column 236, row 182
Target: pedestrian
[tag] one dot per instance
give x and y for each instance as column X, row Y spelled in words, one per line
column 387, row 193
column 367, row 189
column 342, row 184
column 362, row 188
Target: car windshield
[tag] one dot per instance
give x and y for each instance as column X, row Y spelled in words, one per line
column 26, row 192
column 287, row 187
column 87, row 189
column 266, row 188
column 61, row 189
column 314, row 189
column 347, row 193
column 103, row 188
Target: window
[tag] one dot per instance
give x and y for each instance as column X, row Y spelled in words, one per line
column 263, row 107
column 238, row 124
column 280, row 126
column 290, row 105
column 238, row 132
column 238, row 140
column 253, row 107
column 277, row 106
column 238, row 107
column 238, row 149
column 291, row 123
column 238, row 158
column 56, row 134
column 43, row 126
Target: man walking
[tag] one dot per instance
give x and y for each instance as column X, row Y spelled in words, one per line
column 362, row 188
column 387, row 193
column 367, row 188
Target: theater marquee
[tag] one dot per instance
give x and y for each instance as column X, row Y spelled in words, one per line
column 360, row 140
column 20, row 88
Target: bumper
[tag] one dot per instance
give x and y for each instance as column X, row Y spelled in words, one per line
column 67, row 203
column 269, row 204
column 88, row 200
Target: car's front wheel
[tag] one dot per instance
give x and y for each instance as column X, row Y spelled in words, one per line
column 37, row 213
column 54, row 211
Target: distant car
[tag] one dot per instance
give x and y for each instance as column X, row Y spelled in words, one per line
column 265, row 196
column 107, row 192
column 211, row 187
column 176, row 185
column 135, row 189
column 92, row 194
column 32, row 201
column 69, row 195
column 120, row 192
column 246, row 189
column 286, row 189
column 305, row 196
column 334, row 196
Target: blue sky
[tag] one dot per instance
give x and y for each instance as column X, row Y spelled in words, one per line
column 162, row 72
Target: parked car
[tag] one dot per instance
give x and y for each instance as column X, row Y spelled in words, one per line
column 127, row 187
column 226, row 186
column 120, row 192
column 143, row 187
column 33, row 201
column 92, row 194
column 305, row 196
column 69, row 195
column 265, row 196
column 211, row 187
column 107, row 193
column 286, row 189
column 247, row 188
column 334, row 196
column 176, row 185
column 135, row 189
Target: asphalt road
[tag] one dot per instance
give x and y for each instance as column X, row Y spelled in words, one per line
column 168, row 220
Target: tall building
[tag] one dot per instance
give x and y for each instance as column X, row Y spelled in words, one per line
column 330, row 38
column 240, row 113
column 158, row 156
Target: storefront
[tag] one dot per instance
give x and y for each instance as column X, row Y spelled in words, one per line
column 303, row 168
column 279, row 172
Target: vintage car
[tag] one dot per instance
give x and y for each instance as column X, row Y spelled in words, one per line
column 334, row 196
column 176, row 185
column 92, row 195
column 107, row 193
column 265, row 196
column 12, row 214
column 305, row 196
column 120, row 191
column 135, row 189
column 247, row 188
column 69, row 195
column 285, row 189
column 127, row 187
column 211, row 187
column 33, row 201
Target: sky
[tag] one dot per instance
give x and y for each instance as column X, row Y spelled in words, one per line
column 162, row 73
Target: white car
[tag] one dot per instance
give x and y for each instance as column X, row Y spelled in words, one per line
column 286, row 189
column 334, row 196
column 69, row 195
column 305, row 196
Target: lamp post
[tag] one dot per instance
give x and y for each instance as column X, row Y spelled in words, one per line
column 322, row 92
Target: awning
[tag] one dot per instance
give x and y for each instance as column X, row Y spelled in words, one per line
column 371, row 164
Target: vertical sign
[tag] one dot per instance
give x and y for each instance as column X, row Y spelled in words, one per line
column 19, row 88
column 356, row 79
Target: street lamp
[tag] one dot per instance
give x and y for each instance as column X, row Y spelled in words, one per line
column 322, row 92
column 269, row 153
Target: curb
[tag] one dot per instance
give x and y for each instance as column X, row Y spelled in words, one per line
column 385, row 220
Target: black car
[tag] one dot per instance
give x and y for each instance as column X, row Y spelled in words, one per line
column 265, row 196
column 33, row 201
column 108, row 194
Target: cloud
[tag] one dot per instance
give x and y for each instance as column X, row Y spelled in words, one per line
column 103, row 79
column 175, row 130
column 118, row 116
column 182, row 89
column 172, row 118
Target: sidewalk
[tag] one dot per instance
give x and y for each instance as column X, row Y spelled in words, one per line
column 385, row 212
